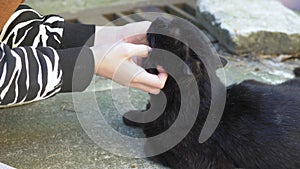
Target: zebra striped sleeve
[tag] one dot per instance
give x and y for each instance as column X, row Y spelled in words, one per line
column 26, row 27
column 28, row 74
column 39, row 57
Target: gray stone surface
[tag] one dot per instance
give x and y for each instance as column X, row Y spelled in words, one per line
column 252, row 26
column 47, row 134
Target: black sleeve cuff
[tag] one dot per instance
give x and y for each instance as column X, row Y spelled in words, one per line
column 77, row 35
column 78, row 68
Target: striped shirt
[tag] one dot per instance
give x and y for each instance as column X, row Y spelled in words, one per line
column 40, row 57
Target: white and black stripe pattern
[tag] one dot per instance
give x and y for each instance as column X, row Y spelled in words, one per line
column 31, row 72
column 28, row 74
column 26, row 27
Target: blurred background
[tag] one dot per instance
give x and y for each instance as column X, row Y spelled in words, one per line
column 47, row 134
column 59, row 6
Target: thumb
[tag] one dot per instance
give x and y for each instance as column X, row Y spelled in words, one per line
column 137, row 50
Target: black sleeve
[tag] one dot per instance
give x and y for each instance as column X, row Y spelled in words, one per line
column 76, row 35
column 77, row 67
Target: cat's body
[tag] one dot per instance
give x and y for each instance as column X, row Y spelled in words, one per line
column 259, row 128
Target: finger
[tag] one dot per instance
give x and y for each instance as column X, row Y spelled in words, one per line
column 160, row 69
column 136, row 50
column 163, row 76
column 138, row 60
column 136, row 32
column 155, row 81
column 127, row 72
column 137, row 39
column 145, row 88
column 135, row 28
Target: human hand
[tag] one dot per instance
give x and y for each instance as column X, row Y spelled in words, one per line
column 131, row 33
column 114, row 59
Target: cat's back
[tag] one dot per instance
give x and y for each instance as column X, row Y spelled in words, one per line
column 260, row 127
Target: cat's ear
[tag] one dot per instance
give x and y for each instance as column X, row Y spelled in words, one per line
column 187, row 70
column 223, row 61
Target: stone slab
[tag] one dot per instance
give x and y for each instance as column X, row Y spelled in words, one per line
column 252, row 26
column 48, row 134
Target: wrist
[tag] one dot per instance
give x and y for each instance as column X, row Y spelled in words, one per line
column 96, row 60
column 107, row 35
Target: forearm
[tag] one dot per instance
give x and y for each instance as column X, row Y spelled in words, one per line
column 77, row 35
column 30, row 74
column 77, row 67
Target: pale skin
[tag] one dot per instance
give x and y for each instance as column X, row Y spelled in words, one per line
column 118, row 52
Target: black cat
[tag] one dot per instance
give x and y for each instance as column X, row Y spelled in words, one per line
column 260, row 125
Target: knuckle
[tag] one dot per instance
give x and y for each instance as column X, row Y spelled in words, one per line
column 126, row 49
column 162, row 85
column 122, row 47
column 155, row 91
column 135, row 79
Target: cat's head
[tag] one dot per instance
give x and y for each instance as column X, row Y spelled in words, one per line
column 185, row 41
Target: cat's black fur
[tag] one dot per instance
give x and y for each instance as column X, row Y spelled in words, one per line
column 260, row 125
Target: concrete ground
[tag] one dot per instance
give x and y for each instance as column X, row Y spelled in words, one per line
column 48, row 134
